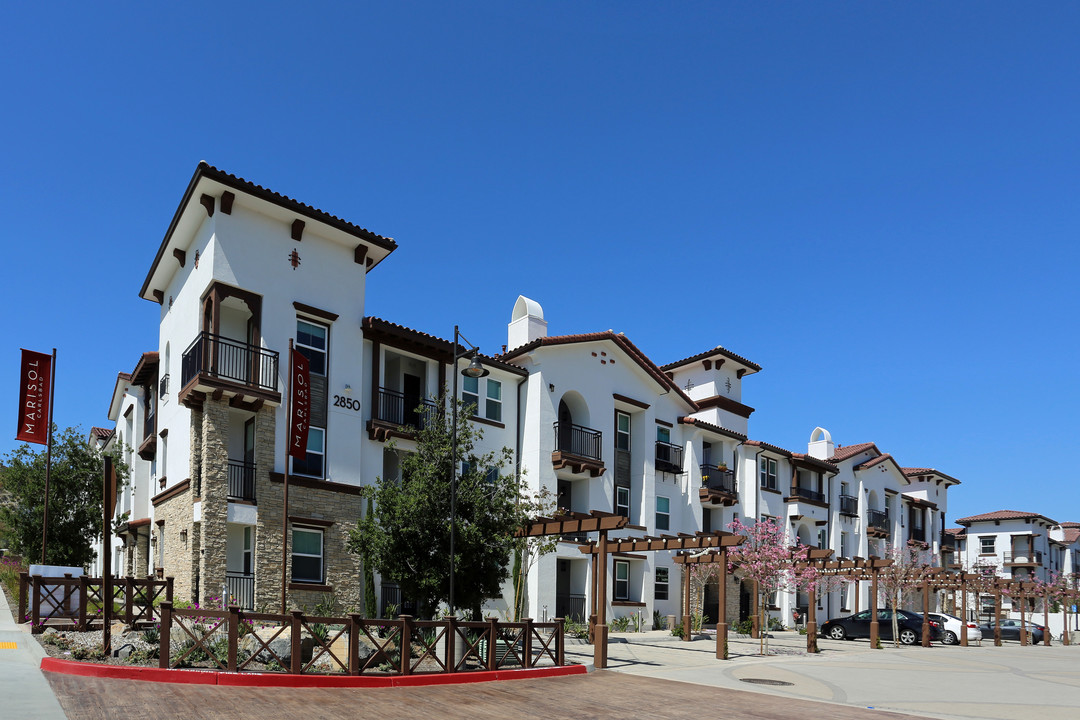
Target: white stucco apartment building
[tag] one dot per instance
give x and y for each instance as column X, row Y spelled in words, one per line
column 243, row 271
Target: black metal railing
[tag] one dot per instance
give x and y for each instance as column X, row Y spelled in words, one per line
column 228, row 359
column 578, row 440
column 918, row 534
column 392, row 603
column 849, row 505
column 241, row 480
column 669, row 457
column 163, row 386
column 570, row 607
column 807, row 494
column 878, row 519
column 718, row 479
column 241, row 588
column 398, row 408
column 948, row 542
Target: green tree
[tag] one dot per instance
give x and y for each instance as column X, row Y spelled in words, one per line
column 74, row 499
column 407, row 537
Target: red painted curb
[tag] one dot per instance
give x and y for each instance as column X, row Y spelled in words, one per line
column 215, row 677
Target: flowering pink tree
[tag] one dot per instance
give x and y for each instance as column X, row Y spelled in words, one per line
column 766, row 558
column 909, row 567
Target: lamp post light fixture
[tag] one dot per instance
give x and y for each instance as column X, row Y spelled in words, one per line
column 474, row 370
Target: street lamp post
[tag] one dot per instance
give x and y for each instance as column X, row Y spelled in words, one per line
column 474, row 370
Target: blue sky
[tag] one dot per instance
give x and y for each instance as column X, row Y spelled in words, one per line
column 877, row 202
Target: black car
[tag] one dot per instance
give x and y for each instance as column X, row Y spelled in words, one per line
column 909, row 627
column 1010, row 630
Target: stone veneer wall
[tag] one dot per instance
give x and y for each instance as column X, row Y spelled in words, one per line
column 142, row 551
column 732, row 601
column 214, row 464
column 179, row 552
column 341, row 568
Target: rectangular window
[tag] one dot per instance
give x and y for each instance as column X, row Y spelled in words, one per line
column 767, row 468
column 307, row 555
column 493, row 408
column 706, row 520
column 311, row 342
column 622, row 500
column 986, row 544
column 622, row 431
column 312, row 465
column 663, row 513
column 470, row 392
column 663, row 434
column 843, row 544
column 822, row 538
column 247, row 550
column 661, row 590
column 622, row 580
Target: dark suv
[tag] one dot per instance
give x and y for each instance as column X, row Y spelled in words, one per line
column 909, row 626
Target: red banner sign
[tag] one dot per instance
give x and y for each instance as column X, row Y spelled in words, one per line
column 301, row 406
column 35, row 394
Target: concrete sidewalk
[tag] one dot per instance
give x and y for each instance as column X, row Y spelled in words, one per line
column 25, row 692
column 989, row 683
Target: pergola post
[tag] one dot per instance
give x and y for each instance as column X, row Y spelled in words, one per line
column 811, row 621
column 686, row 620
column 1046, row 616
column 595, row 596
column 963, row 611
column 997, row 615
column 858, row 585
column 926, row 612
column 600, row 631
column 755, row 628
column 875, row 638
column 1065, row 619
column 1023, row 613
column 721, row 611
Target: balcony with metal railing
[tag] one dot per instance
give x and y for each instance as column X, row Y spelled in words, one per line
column 213, row 363
column 241, row 588
column 241, row 480
column 801, row 493
column 578, row 449
column 877, row 523
column 917, row 534
column 398, row 414
column 1022, row 558
column 669, row 457
column 849, row 505
column 717, row 486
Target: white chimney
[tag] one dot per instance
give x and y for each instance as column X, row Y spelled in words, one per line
column 526, row 324
column 821, row 445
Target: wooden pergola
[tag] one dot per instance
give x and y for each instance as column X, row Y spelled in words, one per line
column 716, row 540
column 856, row 569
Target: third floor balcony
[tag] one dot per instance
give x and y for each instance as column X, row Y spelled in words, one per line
column 849, row 505
column 217, row 364
column 669, row 457
column 399, row 414
column 877, row 523
column 578, row 448
column 717, row 486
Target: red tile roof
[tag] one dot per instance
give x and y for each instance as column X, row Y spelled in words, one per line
column 844, row 452
column 874, row 461
column 808, row 459
column 1071, row 534
column 1004, row 515
column 619, row 339
column 956, row 532
column 914, row 472
column 718, row 350
column 100, row 432
column 378, row 326
column 685, row 420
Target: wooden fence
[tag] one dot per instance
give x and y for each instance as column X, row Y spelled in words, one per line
column 238, row 641
column 75, row 603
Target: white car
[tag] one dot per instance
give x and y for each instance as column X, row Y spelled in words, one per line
column 950, row 629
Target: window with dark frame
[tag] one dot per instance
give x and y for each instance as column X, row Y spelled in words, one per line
column 307, row 555
column 987, row 544
column 622, row 580
column 493, row 406
column 622, row 431
column 767, row 468
column 663, row 513
column 660, row 591
column 622, row 500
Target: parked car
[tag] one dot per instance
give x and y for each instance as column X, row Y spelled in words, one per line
column 950, row 628
column 909, row 626
column 1010, row 630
